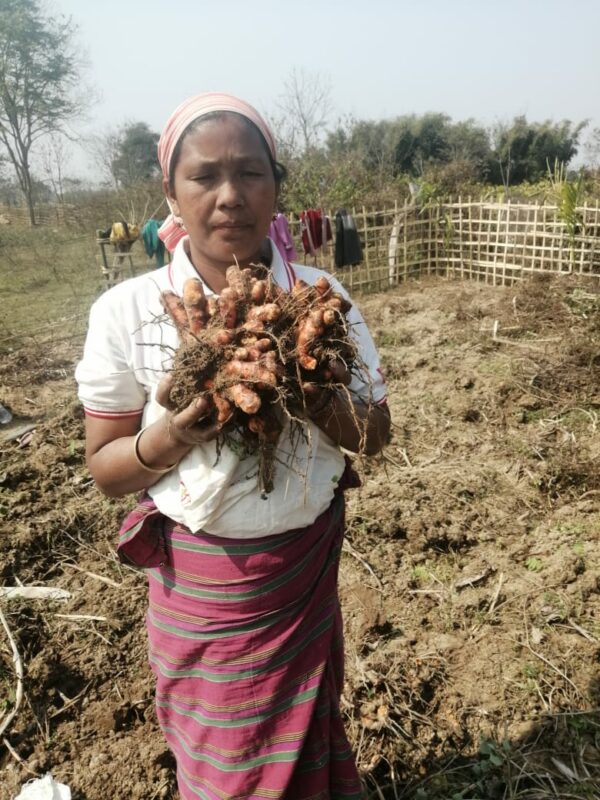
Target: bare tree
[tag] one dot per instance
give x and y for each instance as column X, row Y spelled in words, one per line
column 102, row 147
column 304, row 110
column 55, row 155
column 40, row 86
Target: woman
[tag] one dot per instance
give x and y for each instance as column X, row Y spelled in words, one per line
column 244, row 623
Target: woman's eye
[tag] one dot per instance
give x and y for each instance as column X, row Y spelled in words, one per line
column 253, row 173
column 205, row 177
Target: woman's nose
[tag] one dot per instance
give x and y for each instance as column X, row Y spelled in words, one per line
column 230, row 193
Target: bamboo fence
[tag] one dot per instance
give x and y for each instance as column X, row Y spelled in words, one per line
column 495, row 242
column 498, row 243
column 50, row 214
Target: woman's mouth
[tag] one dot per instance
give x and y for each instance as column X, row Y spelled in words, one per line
column 232, row 226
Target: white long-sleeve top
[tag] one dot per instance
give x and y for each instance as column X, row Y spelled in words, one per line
column 129, row 348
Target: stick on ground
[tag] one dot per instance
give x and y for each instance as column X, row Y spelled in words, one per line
column 18, row 662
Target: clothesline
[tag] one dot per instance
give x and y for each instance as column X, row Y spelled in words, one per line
column 316, row 231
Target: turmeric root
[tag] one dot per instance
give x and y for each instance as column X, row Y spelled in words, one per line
column 309, row 329
column 322, row 286
column 251, row 371
column 260, row 354
column 227, row 306
column 224, row 408
column 245, row 398
column 195, row 305
column 239, row 280
column 173, row 305
column 269, row 312
column 258, row 292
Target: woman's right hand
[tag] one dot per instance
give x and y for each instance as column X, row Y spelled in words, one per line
column 122, row 460
column 190, row 426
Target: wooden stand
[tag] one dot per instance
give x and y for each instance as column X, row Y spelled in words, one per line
column 113, row 271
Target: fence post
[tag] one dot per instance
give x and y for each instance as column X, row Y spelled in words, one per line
column 366, row 235
column 460, row 237
column 582, row 238
column 535, row 242
column 405, row 239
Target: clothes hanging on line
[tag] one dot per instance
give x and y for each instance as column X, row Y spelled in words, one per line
column 348, row 250
column 279, row 232
column 152, row 244
column 315, row 228
column 124, row 232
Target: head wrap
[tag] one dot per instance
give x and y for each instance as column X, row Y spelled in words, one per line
column 172, row 230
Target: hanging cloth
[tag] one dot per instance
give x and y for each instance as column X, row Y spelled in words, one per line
column 316, row 230
column 152, row 244
column 348, row 250
column 279, row 232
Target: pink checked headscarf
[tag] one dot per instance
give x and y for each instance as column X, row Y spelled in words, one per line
column 172, row 230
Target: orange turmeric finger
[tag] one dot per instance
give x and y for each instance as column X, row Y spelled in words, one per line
column 224, row 408
column 228, row 306
column 244, row 398
column 322, row 286
column 251, row 371
column 173, row 305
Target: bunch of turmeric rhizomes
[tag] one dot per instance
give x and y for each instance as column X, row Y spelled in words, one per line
column 258, row 353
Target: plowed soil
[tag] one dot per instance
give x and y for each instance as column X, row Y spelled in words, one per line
column 470, row 580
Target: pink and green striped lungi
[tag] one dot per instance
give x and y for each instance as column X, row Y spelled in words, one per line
column 246, row 644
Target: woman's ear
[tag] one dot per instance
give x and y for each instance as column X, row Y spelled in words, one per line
column 171, row 199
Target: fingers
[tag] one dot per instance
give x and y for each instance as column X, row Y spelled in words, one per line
column 193, row 414
column 191, row 425
column 163, row 392
column 340, row 372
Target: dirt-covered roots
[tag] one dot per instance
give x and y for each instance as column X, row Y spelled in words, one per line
column 258, row 354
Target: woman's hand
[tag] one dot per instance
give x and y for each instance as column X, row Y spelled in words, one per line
column 122, row 460
column 353, row 425
column 318, row 398
column 190, row 426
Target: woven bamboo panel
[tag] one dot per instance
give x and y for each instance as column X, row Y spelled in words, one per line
column 498, row 243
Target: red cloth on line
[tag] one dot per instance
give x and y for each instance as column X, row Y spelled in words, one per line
column 315, row 228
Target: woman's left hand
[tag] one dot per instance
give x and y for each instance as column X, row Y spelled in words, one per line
column 318, row 398
column 356, row 426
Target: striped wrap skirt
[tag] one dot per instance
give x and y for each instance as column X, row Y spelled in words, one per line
column 245, row 640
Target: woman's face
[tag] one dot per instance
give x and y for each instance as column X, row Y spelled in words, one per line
column 225, row 192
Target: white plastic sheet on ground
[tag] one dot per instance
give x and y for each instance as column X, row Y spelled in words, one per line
column 45, row 788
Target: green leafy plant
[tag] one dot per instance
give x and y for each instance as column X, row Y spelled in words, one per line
column 534, row 564
column 567, row 194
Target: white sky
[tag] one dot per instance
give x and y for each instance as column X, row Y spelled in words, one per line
column 486, row 59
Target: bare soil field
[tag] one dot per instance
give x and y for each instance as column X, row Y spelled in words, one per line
column 470, row 579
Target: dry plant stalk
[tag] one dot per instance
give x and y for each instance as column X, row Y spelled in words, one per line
column 258, row 354
column 18, row 662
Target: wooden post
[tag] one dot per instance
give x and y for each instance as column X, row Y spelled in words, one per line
column 582, row 240
column 405, row 244
column 460, row 238
column 495, row 254
column 507, row 236
column 367, row 256
column 471, row 249
column 535, row 241
column 545, row 236
column 429, row 238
